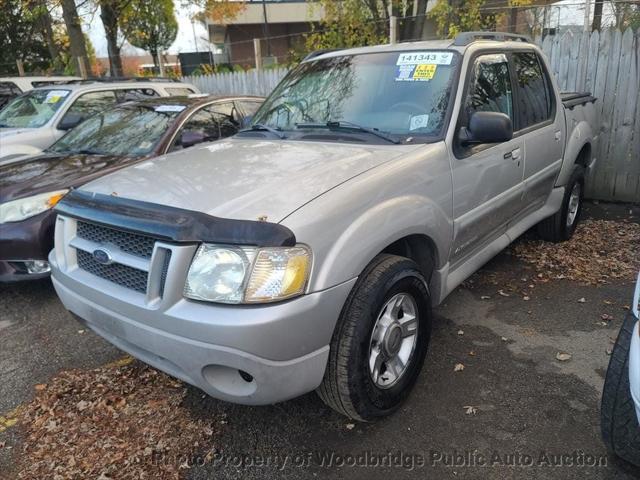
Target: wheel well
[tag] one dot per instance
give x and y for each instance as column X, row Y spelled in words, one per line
column 419, row 248
column 584, row 156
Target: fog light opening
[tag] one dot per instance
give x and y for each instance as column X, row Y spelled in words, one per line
column 246, row 376
column 35, row 267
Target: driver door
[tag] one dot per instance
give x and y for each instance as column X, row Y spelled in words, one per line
column 487, row 178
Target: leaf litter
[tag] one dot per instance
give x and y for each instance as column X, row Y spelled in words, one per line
column 124, row 420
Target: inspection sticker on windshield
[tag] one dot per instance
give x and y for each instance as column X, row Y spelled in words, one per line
column 54, row 96
column 419, row 121
column 425, row 58
column 169, row 108
column 415, row 73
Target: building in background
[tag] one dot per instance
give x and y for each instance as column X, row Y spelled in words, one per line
column 287, row 21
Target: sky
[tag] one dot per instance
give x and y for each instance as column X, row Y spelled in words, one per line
column 184, row 40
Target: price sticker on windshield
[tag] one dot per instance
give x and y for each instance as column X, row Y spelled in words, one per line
column 425, row 58
column 54, row 96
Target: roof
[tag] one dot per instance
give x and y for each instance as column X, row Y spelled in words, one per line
column 111, row 85
column 39, row 78
column 191, row 100
column 461, row 43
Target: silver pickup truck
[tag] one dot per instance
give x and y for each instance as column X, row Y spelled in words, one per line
column 307, row 251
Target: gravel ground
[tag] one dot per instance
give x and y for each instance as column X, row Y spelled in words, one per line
column 528, row 410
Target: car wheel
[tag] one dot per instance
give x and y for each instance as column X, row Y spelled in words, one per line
column 380, row 341
column 618, row 418
column 560, row 227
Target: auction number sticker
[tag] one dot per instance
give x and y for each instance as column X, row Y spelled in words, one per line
column 420, row 58
column 54, row 96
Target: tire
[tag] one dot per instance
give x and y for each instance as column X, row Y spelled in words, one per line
column 618, row 419
column 557, row 228
column 348, row 385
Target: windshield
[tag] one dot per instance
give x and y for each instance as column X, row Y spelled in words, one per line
column 126, row 130
column 32, row 109
column 404, row 94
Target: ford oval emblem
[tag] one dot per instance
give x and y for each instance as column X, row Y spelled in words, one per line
column 102, row 256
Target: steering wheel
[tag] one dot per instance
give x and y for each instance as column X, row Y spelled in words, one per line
column 412, row 107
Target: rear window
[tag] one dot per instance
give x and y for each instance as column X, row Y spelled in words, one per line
column 534, row 97
column 179, row 91
column 8, row 90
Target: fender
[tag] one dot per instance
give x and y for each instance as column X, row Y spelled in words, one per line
column 581, row 135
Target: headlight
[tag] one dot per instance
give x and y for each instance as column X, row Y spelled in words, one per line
column 247, row 274
column 23, row 208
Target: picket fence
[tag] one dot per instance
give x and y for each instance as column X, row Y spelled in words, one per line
column 606, row 63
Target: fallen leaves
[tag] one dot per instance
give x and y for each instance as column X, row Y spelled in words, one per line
column 563, row 356
column 124, row 420
column 458, row 367
column 599, row 251
column 470, row 410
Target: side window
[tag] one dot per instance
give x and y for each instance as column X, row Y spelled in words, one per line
column 490, row 86
column 130, row 94
column 91, row 103
column 206, row 125
column 179, row 91
column 249, row 107
column 534, row 98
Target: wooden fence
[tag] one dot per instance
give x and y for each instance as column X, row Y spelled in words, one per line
column 605, row 63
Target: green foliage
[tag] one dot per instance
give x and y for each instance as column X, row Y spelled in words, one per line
column 150, row 25
column 455, row 16
column 21, row 37
column 349, row 23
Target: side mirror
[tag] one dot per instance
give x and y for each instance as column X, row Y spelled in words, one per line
column 487, row 127
column 69, row 121
column 190, row 138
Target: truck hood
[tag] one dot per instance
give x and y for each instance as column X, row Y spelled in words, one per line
column 245, row 179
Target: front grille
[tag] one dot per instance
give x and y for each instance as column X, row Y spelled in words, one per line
column 123, row 275
column 132, row 243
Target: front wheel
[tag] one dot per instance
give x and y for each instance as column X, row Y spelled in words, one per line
column 380, row 342
column 560, row 227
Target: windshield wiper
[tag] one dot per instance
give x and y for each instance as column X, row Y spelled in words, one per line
column 86, row 151
column 343, row 124
column 259, row 126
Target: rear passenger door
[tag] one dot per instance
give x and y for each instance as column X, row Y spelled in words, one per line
column 539, row 125
column 487, row 178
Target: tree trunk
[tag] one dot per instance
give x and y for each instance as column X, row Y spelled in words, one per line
column 513, row 20
column 597, row 15
column 77, row 43
column 47, row 28
column 109, row 17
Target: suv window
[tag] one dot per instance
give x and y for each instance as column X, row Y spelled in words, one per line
column 249, row 107
column 132, row 94
column 490, row 86
column 209, row 123
column 534, row 98
column 91, row 103
column 179, row 91
column 8, row 90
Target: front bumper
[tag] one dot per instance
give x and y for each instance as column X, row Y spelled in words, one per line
column 30, row 239
column 282, row 347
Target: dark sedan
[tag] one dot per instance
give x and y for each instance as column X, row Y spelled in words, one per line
column 128, row 134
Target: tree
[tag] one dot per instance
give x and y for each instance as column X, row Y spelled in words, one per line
column 21, row 37
column 111, row 11
column 150, row 25
column 455, row 16
column 77, row 44
column 597, row 15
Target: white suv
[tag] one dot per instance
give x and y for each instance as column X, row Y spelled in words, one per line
column 35, row 120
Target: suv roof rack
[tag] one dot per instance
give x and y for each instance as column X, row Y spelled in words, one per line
column 465, row 38
column 123, row 79
column 317, row 53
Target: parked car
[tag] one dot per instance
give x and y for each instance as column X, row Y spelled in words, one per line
column 11, row 87
column 33, row 121
column 620, row 409
column 125, row 135
column 306, row 252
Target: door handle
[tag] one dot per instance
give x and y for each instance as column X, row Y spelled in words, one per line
column 515, row 154
column 558, row 136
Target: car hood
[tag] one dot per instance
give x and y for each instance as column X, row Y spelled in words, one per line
column 245, row 179
column 50, row 172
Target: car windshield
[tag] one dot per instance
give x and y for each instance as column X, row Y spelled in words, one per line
column 32, row 109
column 402, row 94
column 126, row 130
